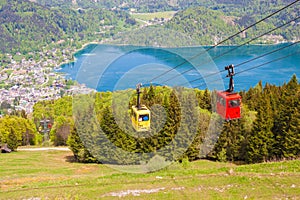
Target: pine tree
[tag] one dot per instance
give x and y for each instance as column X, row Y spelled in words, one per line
column 148, row 96
column 205, row 100
column 189, row 126
column 172, row 123
column 286, row 122
column 250, row 98
column 260, row 140
column 293, row 149
column 229, row 141
column 115, row 134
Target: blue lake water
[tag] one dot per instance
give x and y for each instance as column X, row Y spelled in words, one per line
column 110, row 67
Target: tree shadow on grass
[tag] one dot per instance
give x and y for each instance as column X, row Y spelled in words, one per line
column 71, row 159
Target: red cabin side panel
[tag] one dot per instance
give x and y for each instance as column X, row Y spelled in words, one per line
column 229, row 105
column 221, row 104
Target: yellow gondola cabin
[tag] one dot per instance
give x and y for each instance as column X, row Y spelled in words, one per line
column 140, row 118
column 140, row 114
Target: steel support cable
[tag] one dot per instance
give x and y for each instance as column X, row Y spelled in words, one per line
column 275, row 60
column 240, row 64
column 257, row 66
column 225, row 40
column 236, row 47
column 232, row 36
column 251, row 68
column 245, row 62
column 263, row 55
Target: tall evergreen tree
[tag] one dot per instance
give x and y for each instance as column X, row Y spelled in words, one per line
column 205, row 100
column 172, row 123
column 286, row 121
column 229, row 143
column 260, row 140
column 148, row 96
column 81, row 154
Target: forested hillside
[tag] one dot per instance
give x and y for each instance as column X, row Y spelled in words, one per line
column 269, row 128
column 191, row 27
column 256, row 6
column 139, row 5
column 31, row 25
column 209, row 26
column 27, row 26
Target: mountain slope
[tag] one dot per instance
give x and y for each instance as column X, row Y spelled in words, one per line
column 204, row 26
column 31, row 25
column 27, row 26
column 212, row 26
column 256, row 6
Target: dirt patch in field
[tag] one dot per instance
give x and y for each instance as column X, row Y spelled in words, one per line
column 133, row 192
column 86, row 169
column 138, row 192
column 19, row 182
column 44, row 149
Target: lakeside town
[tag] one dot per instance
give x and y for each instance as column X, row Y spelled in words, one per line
column 27, row 80
column 24, row 82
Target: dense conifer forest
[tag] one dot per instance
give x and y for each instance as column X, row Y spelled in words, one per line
column 268, row 130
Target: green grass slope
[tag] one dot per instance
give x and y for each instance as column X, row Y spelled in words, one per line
column 53, row 175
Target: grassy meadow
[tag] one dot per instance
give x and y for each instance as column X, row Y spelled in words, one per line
column 151, row 16
column 52, row 174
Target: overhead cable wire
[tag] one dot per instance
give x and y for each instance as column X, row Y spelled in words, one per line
column 227, row 39
column 271, row 52
column 245, row 62
column 254, row 67
column 237, row 65
column 236, row 47
column 240, row 64
column 269, row 62
column 232, row 36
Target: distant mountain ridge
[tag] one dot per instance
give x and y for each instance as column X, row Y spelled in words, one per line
column 31, row 25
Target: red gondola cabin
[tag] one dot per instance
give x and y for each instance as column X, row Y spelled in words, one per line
column 229, row 105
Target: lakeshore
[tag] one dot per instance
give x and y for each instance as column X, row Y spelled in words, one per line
column 109, row 64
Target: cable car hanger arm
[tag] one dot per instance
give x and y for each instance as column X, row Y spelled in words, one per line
column 230, row 69
column 138, row 92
